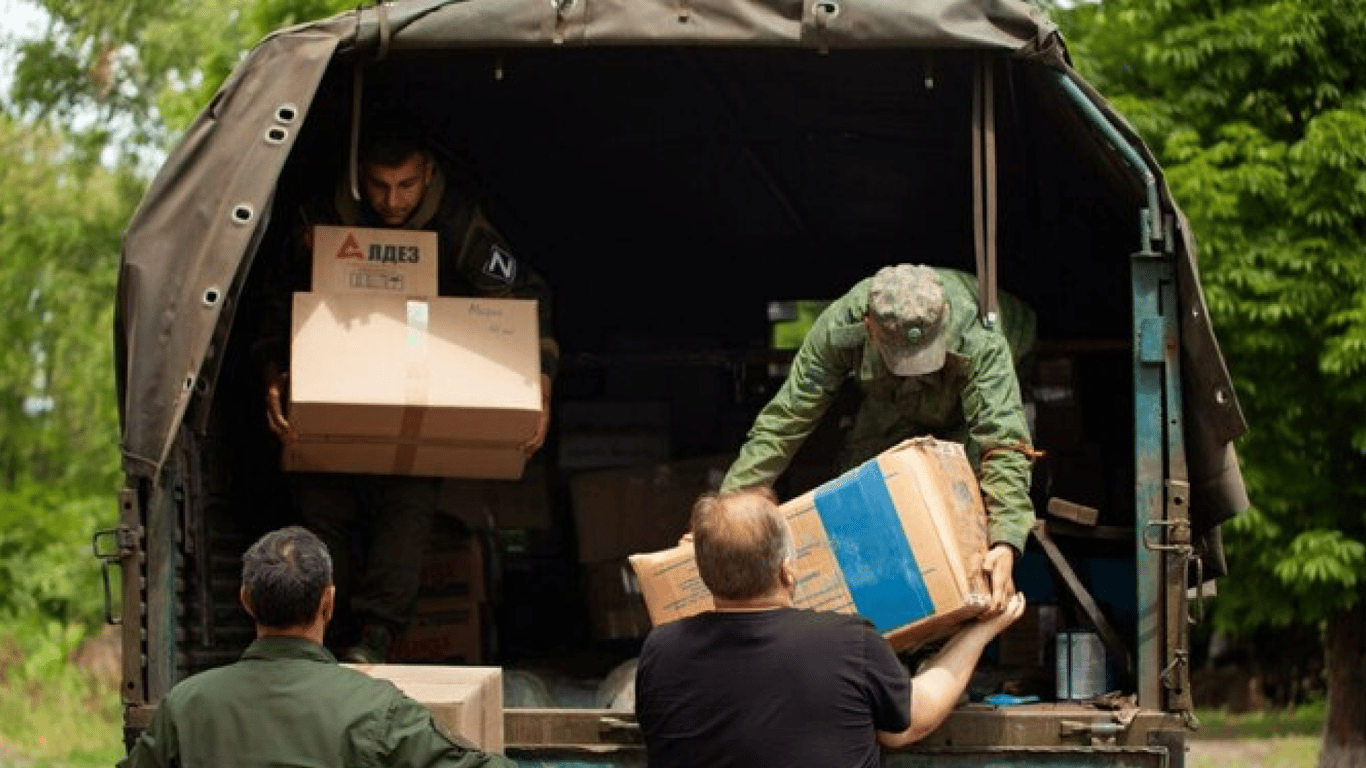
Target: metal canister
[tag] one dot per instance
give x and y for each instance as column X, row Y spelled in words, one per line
column 1080, row 665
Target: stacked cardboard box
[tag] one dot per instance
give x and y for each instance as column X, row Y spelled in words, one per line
column 618, row 512
column 450, row 620
column 632, row 509
column 899, row 539
column 388, row 378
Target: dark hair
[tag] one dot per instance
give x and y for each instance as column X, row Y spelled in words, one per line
column 740, row 540
column 390, row 141
column 285, row 574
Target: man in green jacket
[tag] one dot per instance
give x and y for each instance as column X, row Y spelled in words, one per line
column 287, row 701
column 377, row 526
column 912, row 338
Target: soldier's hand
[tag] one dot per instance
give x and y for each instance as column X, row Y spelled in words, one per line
column 1012, row 610
column 543, row 426
column 999, row 568
column 275, row 409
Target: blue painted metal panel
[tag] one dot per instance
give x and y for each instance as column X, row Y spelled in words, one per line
column 872, row 550
column 1149, row 468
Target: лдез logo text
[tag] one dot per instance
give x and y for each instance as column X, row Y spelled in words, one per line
column 395, row 254
column 383, row 253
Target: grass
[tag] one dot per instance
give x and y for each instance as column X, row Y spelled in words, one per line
column 62, row 726
column 1268, row 739
column 1305, row 720
column 63, row 719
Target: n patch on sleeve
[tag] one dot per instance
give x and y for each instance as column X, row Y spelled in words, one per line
column 500, row 265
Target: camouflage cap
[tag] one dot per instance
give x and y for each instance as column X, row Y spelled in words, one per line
column 908, row 313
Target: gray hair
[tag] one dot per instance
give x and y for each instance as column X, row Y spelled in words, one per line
column 740, row 540
column 285, row 574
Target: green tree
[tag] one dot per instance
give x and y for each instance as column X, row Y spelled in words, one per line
column 93, row 101
column 129, row 75
column 60, row 226
column 1257, row 111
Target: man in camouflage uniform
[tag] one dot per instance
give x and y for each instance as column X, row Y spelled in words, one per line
column 912, row 339
column 377, row 525
column 287, row 701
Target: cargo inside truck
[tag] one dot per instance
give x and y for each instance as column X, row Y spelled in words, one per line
column 693, row 179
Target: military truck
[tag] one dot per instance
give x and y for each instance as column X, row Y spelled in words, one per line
column 685, row 174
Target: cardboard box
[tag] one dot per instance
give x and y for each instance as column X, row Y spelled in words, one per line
column 401, row 262
column 899, row 539
column 380, row 384
column 443, row 630
column 453, row 566
column 618, row 512
column 466, row 701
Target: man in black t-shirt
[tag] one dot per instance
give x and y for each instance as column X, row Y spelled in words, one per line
column 760, row 683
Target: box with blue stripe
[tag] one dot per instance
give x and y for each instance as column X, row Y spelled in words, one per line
column 899, row 539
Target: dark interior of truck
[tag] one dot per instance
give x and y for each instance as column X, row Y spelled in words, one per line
column 680, row 201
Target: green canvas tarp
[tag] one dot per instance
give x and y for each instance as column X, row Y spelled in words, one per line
column 800, row 97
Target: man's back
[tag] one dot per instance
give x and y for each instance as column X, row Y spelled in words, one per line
column 287, row 702
column 780, row 687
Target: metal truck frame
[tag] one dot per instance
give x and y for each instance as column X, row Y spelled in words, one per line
column 683, row 164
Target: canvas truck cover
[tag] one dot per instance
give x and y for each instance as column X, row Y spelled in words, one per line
column 191, row 244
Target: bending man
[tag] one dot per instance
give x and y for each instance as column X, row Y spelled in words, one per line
column 912, row 339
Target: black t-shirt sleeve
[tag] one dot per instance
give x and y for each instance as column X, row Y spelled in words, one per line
column 888, row 683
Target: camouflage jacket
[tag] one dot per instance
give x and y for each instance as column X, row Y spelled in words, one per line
column 974, row 400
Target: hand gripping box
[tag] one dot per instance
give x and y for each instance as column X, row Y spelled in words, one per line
column 899, row 539
column 385, row 384
column 466, row 702
column 400, row 262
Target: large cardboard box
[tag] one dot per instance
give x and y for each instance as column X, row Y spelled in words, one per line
column 453, row 564
column 448, row 630
column 465, row 701
column 899, row 539
column 382, row 384
column 402, row 262
column 618, row 512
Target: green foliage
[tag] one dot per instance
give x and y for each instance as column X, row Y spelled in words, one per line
column 1257, row 111
column 132, row 74
column 47, row 570
column 63, row 718
column 61, row 218
column 60, row 226
column 50, row 602
column 1319, row 559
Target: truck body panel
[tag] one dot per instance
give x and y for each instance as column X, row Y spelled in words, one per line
column 680, row 174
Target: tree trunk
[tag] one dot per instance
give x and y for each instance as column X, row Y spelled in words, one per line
column 1344, row 723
